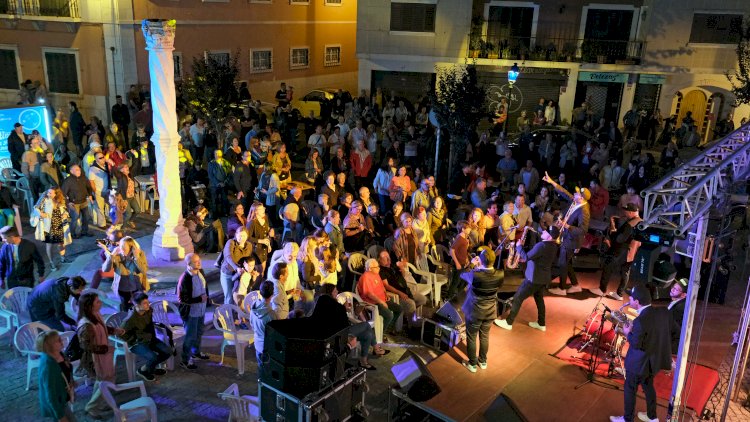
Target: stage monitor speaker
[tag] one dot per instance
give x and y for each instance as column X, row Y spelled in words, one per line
column 412, row 376
column 449, row 314
column 643, row 264
column 303, row 342
column 503, row 410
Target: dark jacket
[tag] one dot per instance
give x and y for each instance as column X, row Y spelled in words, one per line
column 7, row 201
column 677, row 312
column 139, row 329
column 579, row 226
column 77, row 189
column 232, row 254
column 650, row 342
column 23, row 273
column 47, row 301
column 539, row 261
column 185, row 293
column 245, row 178
column 121, row 114
column 481, row 296
column 77, row 127
column 16, row 148
column 53, row 391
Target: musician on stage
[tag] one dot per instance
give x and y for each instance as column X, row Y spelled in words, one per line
column 621, row 254
column 574, row 226
column 507, row 227
column 538, row 274
column 522, row 214
column 676, row 307
column 650, row 351
column 480, row 306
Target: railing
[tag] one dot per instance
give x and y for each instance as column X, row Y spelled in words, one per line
column 53, row 8
column 557, row 49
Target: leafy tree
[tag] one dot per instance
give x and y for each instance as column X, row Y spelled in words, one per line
column 457, row 101
column 210, row 90
column 740, row 78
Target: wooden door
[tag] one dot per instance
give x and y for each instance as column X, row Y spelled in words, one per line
column 694, row 101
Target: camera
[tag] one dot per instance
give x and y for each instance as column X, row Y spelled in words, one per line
column 105, row 242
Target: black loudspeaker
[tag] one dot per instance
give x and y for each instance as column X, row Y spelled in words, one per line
column 299, row 381
column 503, row 410
column 414, row 378
column 643, row 264
column 449, row 314
column 303, row 342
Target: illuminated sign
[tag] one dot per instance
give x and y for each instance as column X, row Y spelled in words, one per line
column 603, row 77
column 31, row 117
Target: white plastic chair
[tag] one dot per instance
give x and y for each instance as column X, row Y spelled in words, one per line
column 22, row 185
column 224, row 321
column 25, row 342
column 162, row 310
column 120, row 345
column 356, row 265
column 141, row 409
column 248, row 301
column 67, row 336
column 438, row 280
column 428, row 280
column 376, row 321
column 110, row 305
column 13, row 307
column 241, row 408
column 153, row 196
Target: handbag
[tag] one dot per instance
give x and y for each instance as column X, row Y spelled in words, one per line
column 73, row 351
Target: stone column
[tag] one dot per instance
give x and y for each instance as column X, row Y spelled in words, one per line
column 171, row 240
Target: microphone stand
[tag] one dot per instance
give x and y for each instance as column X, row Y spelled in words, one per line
column 594, row 359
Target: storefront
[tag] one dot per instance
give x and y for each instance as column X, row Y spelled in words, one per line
column 602, row 91
column 410, row 85
column 648, row 91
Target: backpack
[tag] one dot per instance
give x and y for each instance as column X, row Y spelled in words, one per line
column 73, row 351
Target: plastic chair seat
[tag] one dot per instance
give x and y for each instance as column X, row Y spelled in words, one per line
column 243, row 336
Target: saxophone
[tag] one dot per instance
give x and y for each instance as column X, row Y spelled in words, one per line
column 571, row 210
column 514, row 257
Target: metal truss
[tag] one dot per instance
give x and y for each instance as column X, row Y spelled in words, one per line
column 681, row 197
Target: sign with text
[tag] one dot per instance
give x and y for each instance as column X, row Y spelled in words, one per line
column 610, row 77
column 652, row 79
column 31, row 117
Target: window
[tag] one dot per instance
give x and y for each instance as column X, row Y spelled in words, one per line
column 301, row 2
column 333, row 55
column 716, row 28
column 510, row 26
column 61, row 69
column 9, row 76
column 177, row 57
column 608, row 24
column 261, row 1
column 299, row 57
column 261, row 60
column 332, row 2
column 413, row 17
column 221, row 57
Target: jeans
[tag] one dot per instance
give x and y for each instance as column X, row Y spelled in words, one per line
column 134, row 207
column 632, row 381
column 483, row 329
column 79, row 211
column 390, row 313
column 227, row 285
column 191, row 344
column 528, row 289
column 365, row 336
column 616, row 264
column 99, row 211
column 384, row 203
column 456, row 284
column 155, row 353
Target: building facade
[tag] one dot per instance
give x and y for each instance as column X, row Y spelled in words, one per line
column 614, row 55
column 89, row 51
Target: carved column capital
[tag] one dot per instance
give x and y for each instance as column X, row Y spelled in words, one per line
column 159, row 33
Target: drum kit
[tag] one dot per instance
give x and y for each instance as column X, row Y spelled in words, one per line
column 603, row 333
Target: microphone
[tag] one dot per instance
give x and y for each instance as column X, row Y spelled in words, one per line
column 606, row 308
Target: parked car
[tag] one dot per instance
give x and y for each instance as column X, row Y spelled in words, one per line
column 317, row 100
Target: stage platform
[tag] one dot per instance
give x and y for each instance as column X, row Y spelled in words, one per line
column 542, row 386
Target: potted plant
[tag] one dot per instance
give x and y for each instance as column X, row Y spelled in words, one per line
column 475, row 46
column 569, row 51
column 492, row 51
column 523, row 51
column 506, row 52
column 475, row 36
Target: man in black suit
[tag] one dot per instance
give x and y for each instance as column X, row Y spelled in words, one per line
column 480, row 307
column 17, row 145
column 538, row 274
column 17, row 258
column 678, row 293
column 650, row 337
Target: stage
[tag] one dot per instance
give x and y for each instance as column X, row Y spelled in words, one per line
column 542, row 386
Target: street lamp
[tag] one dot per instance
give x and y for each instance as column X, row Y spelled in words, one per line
column 513, row 74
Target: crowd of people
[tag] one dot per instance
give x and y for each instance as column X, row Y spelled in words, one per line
column 298, row 233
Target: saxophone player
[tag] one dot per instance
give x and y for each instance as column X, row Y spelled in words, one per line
column 621, row 254
column 573, row 227
column 522, row 213
column 538, row 274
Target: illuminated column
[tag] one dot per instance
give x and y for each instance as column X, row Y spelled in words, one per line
column 171, row 240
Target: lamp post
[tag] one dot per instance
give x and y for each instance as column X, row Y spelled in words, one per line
column 512, row 77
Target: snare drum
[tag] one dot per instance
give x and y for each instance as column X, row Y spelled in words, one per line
column 593, row 323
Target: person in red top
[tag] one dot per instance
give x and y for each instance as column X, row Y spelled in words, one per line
column 599, row 200
column 460, row 256
column 361, row 161
column 371, row 288
column 114, row 156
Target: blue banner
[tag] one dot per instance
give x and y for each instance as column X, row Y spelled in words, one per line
column 34, row 117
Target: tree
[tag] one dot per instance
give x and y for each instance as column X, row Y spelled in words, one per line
column 210, row 91
column 740, row 78
column 457, row 101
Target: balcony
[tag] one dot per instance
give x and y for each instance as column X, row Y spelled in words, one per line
column 557, row 50
column 42, row 8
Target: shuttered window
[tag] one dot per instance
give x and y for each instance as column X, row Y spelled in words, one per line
column 8, row 69
column 413, row 17
column 62, row 72
column 714, row 28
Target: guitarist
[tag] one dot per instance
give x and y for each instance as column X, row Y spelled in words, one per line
column 621, row 253
column 573, row 228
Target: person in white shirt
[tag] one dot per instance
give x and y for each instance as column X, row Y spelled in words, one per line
column 611, row 175
column 344, row 127
column 317, row 140
column 335, row 141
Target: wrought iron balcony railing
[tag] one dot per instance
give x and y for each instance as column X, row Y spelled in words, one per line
column 557, row 49
column 50, row 8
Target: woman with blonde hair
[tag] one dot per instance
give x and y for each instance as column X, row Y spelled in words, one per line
column 308, row 263
column 422, row 227
column 260, row 232
column 329, row 264
column 53, row 227
column 478, row 228
column 56, row 385
column 130, row 267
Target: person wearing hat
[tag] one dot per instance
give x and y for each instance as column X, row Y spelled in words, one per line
column 17, row 145
column 676, row 307
column 573, row 230
column 480, row 307
column 539, row 261
column 650, row 337
column 621, row 252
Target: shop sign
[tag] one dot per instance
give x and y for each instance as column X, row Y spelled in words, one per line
column 652, row 79
column 603, row 77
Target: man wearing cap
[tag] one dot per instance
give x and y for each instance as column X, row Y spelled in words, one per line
column 574, row 230
column 677, row 293
column 621, row 253
column 538, row 275
column 480, row 307
column 650, row 337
